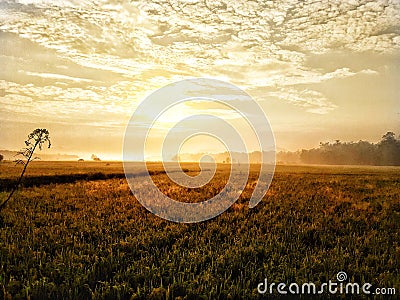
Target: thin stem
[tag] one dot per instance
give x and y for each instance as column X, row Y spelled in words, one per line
column 21, row 176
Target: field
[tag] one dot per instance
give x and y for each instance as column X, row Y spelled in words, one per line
column 75, row 231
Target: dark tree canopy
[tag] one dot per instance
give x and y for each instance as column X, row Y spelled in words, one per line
column 384, row 153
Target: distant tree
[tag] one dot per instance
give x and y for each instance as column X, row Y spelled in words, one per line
column 386, row 152
column 36, row 139
column 389, row 137
column 389, row 150
column 287, row 157
column 1, row 157
column 95, row 158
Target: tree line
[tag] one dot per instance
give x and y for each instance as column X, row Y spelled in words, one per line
column 384, row 153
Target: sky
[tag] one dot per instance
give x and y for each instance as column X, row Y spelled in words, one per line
column 320, row 70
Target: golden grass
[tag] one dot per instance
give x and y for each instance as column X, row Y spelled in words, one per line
column 92, row 239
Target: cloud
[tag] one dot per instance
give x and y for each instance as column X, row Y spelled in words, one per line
column 57, row 76
column 369, row 72
column 140, row 46
column 92, row 105
column 130, row 38
column 313, row 101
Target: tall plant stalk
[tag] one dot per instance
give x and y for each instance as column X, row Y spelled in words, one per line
column 35, row 139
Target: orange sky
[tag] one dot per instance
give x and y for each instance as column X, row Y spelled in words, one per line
column 320, row 70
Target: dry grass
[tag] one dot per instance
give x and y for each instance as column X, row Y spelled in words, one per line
column 92, row 239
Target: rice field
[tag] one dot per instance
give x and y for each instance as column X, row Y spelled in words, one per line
column 75, row 231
